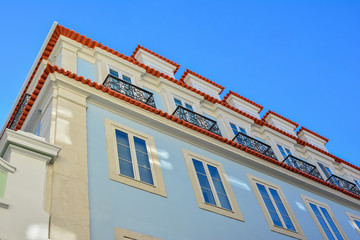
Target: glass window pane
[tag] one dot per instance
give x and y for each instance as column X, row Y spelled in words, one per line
column 126, row 168
column 142, row 159
column 214, row 172
column 282, row 151
column 288, row 151
column 219, row 186
column 357, row 223
column 262, row 190
column 124, row 152
column 224, row 201
column 275, row 218
column 145, row 175
column 242, row 130
column 203, row 181
column 208, row 196
column 288, row 223
column 331, row 222
column 177, row 102
column 269, row 204
column 188, row 106
column 114, row 73
column 122, row 138
column 234, row 128
column 199, row 167
column 126, row 78
column 140, row 145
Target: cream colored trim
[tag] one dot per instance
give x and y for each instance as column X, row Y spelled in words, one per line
column 123, row 234
column 352, row 218
column 114, row 169
column 307, row 202
column 235, row 213
column 299, row 234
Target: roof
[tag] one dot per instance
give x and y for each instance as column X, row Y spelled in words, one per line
column 61, row 30
column 51, row 69
column 202, row 78
column 243, row 98
column 156, row 55
column 313, row 133
column 279, row 116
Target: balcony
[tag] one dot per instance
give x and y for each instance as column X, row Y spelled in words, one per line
column 302, row 166
column 129, row 90
column 344, row 184
column 19, row 111
column 254, row 144
column 197, row 119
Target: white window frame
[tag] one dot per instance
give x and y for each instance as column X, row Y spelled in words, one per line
column 121, row 73
column 307, row 202
column 124, row 234
column 235, row 213
column 352, row 218
column 247, row 130
column 292, row 150
column 183, row 102
column 113, row 161
column 299, row 234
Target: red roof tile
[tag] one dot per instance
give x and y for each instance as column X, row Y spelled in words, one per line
column 278, row 115
column 202, row 78
column 156, row 55
column 60, row 30
column 51, row 69
column 313, row 133
column 243, row 98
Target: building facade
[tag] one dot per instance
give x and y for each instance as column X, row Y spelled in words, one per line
column 130, row 152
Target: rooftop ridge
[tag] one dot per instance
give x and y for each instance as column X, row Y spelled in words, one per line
column 279, row 116
column 314, row 133
column 51, row 69
column 243, row 98
column 202, row 78
column 156, row 55
column 61, row 30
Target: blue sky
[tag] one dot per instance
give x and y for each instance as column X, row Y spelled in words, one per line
column 300, row 59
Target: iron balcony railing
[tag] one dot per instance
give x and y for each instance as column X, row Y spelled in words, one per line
column 197, row 119
column 20, row 110
column 254, row 144
column 344, row 184
column 129, row 90
column 302, row 166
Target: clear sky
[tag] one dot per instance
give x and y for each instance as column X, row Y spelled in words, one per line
column 300, row 59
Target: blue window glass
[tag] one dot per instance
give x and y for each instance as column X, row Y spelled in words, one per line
column 211, row 193
column 324, row 225
column 188, row 106
column 177, row 102
column 331, row 223
column 114, row 73
column 234, row 128
column 124, row 155
column 269, row 205
column 143, row 161
column 357, row 223
column 357, row 183
column 284, row 214
column 126, row 78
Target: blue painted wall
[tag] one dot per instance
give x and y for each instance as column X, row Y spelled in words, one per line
column 85, row 69
column 178, row 217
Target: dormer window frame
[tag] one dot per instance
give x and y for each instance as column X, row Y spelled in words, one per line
column 238, row 126
column 284, row 146
column 183, row 102
column 326, row 166
column 121, row 73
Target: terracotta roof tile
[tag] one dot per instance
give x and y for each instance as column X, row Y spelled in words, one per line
column 156, row 55
column 313, row 133
column 243, row 98
column 51, row 69
column 202, row 78
column 278, row 115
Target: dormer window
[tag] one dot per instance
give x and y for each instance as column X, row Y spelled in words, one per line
column 120, row 75
column 284, row 151
column 182, row 103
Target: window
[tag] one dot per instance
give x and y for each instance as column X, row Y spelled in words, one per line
column 211, row 186
column 117, row 74
column 355, row 221
column 325, row 169
column 276, row 209
column 284, row 151
column 133, row 158
column 324, row 219
column 123, row 234
column 236, row 129
column 182, row 103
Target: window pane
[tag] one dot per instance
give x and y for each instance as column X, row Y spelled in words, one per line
column 140, row 145
column 219, row 186
column 214, row 172
column 177, row 102
column 357, row 223
column 114, row 73
column 208, row 196
column 199, row 166
column 325, row 171
column 322, row 221
column 262, row 190
column 127, row 79
column 122, row 138
column 288, row 151
column 234, row 128
column 126, row 168
column 142, row 159
column 288, row 223
column 269, row 205
column 224, row 201
column 145, row 175
column 331, row 223
column 275, row 218
column 282, row 151
column 124, row 152
column 242, row 130
column 188, row 106
column 203, row 181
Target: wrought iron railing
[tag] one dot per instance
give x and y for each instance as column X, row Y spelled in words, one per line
column 254, row 144
column 344, row 184
column 197, row 119
column 129, row 90
column 302, row 166
column 19, row 111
